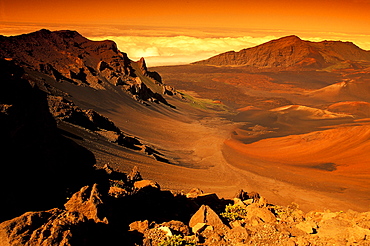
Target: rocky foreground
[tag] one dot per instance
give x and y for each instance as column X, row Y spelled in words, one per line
column 127, row 210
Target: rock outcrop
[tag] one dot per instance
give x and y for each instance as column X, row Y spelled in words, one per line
column 67, row 56
column 291, row 52
column 71, row 226
column 65, row 110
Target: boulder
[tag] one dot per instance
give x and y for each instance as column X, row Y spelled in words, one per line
column 254, row 211
column 88, row 203
column 79, row 224
column 206, row 215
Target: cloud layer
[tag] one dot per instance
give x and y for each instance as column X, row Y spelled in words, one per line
column 170, row 46
column 170, row 50
column 180, row 49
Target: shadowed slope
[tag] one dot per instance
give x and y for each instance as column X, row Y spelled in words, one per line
column 38, row 164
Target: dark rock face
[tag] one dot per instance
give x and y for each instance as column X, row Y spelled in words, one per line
column 290, row 52
column 39, row 160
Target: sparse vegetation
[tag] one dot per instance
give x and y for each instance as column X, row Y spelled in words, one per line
column 205, row 104
column 118, row 183
column 176, row 240
column 234, row 212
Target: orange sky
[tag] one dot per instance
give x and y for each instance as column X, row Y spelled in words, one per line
column 315, row 18
column 323, row 15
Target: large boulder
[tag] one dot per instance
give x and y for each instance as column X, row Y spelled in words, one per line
column 263, row 214
column 88, row 203
column 206, row 215
column 79, row 224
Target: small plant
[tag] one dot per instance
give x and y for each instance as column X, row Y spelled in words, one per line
column 117, row 183
column 234, row 212
column 176, row 240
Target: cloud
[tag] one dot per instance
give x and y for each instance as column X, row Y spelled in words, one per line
column 169, row 47
column 180, row 49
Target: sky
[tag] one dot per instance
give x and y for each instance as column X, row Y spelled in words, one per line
column 182, row 31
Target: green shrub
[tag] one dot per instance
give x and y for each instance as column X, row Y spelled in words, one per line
column 234, row 212
column 176, row 240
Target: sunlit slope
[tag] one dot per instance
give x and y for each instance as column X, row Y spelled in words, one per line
column 355, row 89
column 288, row 120
column 302, row 145
column 345, row 147
column 355, row 108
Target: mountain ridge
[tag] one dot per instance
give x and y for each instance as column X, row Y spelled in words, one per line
column 67, row 56
column 290, row 52
column 54, row 86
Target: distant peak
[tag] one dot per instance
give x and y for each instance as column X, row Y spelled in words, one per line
column 290, row 38
column 68, row 33
column 44, row 31
column 287, row 40
column 293, row 52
